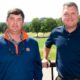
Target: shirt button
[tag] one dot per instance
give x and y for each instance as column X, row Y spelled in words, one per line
column 9, row 49
column 68, row 38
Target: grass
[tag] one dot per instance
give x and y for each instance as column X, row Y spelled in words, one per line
column 41, row 42
column 52, row 54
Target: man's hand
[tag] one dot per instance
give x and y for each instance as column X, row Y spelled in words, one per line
column 45, row 63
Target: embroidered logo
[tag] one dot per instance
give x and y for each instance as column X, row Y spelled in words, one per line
column 27, row 49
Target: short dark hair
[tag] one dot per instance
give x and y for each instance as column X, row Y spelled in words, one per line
column 15, row 11
column 70, row 4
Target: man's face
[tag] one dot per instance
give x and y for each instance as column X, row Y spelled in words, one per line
column 70, row 16
column 15, row 22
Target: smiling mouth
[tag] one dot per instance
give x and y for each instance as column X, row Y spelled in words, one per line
column 15, row 26
column 70, row 20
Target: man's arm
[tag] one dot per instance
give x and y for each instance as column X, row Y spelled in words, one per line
column 46, row 52
column 45, row 57
column 38, row 65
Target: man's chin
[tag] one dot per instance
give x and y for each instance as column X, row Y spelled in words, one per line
column 15, row 31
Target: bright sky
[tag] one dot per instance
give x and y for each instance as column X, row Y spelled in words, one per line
column 34, row 8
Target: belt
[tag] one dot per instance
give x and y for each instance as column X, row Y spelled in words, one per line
column 61, row 78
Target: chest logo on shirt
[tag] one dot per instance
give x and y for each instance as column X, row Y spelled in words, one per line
column 28, row 49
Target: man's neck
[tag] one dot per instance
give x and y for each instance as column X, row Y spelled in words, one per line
column 71, row 29
column 15, row 35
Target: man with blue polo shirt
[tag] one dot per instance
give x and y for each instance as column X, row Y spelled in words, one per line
column 67, row 40
column 19, row 54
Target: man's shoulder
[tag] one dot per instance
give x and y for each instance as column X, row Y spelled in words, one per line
column 31, row 40
column 58, row 29
column 2, row 40
column 1, row 37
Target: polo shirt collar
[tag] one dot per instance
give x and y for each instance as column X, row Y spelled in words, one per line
column 23, row 33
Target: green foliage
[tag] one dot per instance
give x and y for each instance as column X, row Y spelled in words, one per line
column 27, row 26
column 50, row 24
column 3, row 27
column 43, row 25
column 59, row 22
column 35, row 25
column 47, row 24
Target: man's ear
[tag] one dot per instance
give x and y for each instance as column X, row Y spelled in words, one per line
column 23, row 23
column 7, row 21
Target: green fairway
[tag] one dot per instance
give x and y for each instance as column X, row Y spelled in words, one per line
column 41, row 42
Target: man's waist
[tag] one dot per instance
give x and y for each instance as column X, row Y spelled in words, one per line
column 69, row 78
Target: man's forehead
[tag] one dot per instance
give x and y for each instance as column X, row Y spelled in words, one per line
column 14, row 15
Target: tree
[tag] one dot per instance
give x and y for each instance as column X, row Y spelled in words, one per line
column 47, row 24
column 59, row 22
column 3, row 27
column 43, row 25
column 35, row 25
column 51, row 24
column 27, row 26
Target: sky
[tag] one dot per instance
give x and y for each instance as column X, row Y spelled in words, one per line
column 34, row 8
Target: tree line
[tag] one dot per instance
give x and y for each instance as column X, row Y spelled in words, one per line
column 37, row 25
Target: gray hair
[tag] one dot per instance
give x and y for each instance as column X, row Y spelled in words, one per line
column 70, row 4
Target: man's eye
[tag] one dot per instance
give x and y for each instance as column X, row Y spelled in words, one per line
column 66, row 14
column 11, row 18
column 19, row 19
